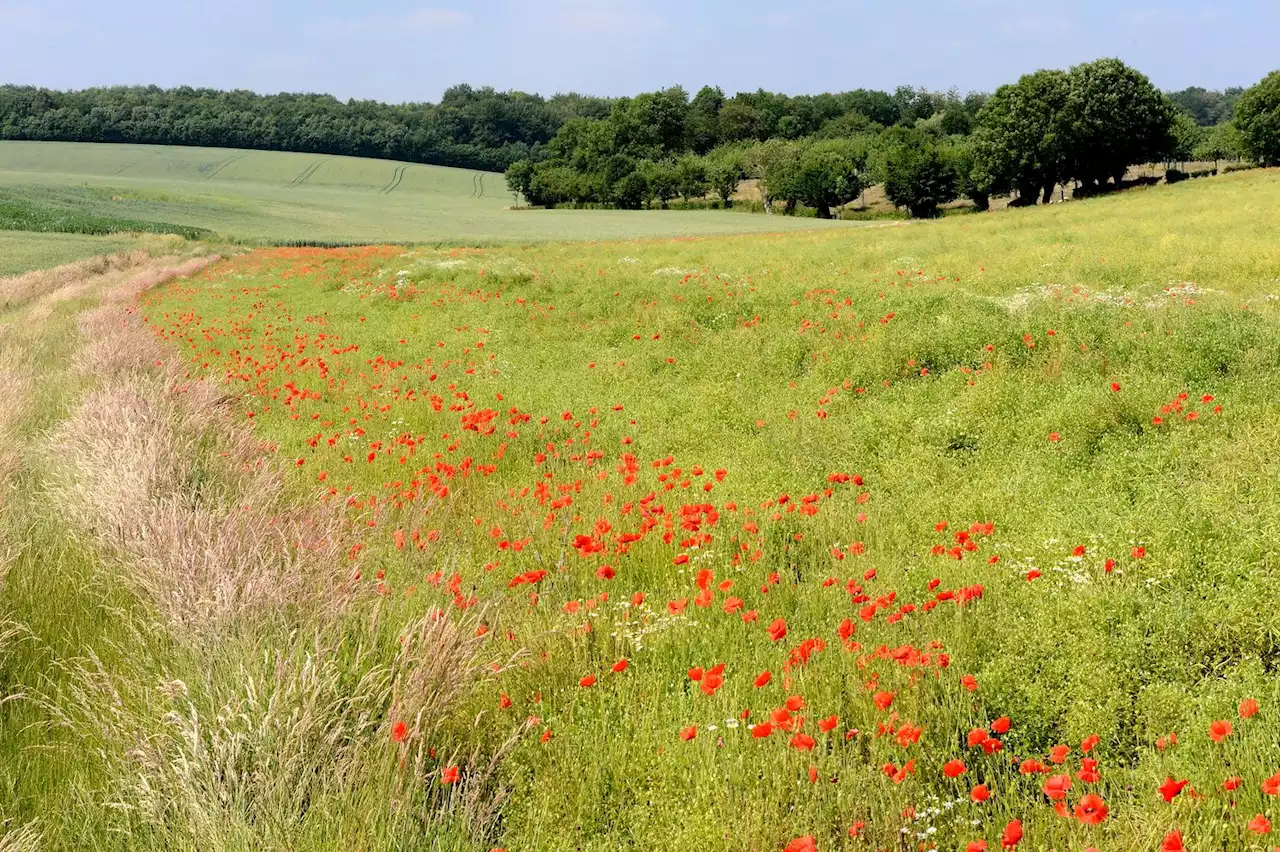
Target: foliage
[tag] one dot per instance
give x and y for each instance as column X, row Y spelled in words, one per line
column 1220, row 142
column 725, row 172
column 691, row 177
column 662, row 181
column 1116, row 118
column 1207, row 107
column 1258, row 120
column 827, row 175
column 775, row 165
column 1024, row 135
column 971, row 181
column 919, row 172
column 1187, row 138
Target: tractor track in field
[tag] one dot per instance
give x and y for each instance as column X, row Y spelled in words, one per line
column 306, row 174
column 124, row 168
column 395, row 181
column 223, row 165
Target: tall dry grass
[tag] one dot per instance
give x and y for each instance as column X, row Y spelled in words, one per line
column 276, row 710
column 15, row 389
column 246, row 758
column 151, row 468
column 20, row 289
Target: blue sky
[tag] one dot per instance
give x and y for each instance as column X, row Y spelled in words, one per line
column 410, row 50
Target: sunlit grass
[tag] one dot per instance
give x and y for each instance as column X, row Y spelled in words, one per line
column 1036, row 370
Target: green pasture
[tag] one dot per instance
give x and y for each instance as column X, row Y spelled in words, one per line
column 268, row 196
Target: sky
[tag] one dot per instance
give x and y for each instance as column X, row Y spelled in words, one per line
column 412, row 50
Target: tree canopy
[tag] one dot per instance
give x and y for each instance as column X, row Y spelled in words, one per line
column 1258, row 120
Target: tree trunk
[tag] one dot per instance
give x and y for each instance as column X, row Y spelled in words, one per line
column 982, row 201
column 790, row 209
column 768, row 205
column 824, row 210
column 1047, row 194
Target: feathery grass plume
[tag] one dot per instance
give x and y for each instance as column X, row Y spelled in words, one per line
column 152, row 468
column 208, row 539
column 269, row 745
column 19, row 838
column 437, row 665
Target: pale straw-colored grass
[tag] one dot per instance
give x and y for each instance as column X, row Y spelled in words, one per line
column 19, row 838
column 256, row 742
column 20, row 289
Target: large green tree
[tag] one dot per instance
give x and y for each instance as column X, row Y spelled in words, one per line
column 1258, row 120
column 1116, row 119
column 919, row 172
column 1023, row 140
column 827, row 175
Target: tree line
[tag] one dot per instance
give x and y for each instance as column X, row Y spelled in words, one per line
column 469, row 128
column 816, row 150
column 1086, row 126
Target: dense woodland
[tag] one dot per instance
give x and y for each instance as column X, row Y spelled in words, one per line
column 818, row 151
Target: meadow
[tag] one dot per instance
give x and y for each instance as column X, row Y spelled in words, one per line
column 267, row 197
column 951, row 535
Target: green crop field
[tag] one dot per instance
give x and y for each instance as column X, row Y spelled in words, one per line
column 273, row 196
column 955, row 535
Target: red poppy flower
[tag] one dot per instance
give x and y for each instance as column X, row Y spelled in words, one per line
column 1271, row 786
column 761, row 730
column 1001, row 725
column 777, row 629
column 1056, row 787
column 802, row 844
column 1170, row 788
column 399, row 731
column 1012, row 835
column 1248, row 707
column 449, row 775
column 828, row 724
column 589, row 680
column 803, row 742
column 954, row 768
column 688, row 733
column 763, row 679
column 1219, row 730
column 1260, row 825
column 620, row 666
column 980, row 793
column 883, row 699
column 1091, row 809
column 1172, row 842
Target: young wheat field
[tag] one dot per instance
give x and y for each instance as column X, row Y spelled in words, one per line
column 262, row 197
column 954, row 535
